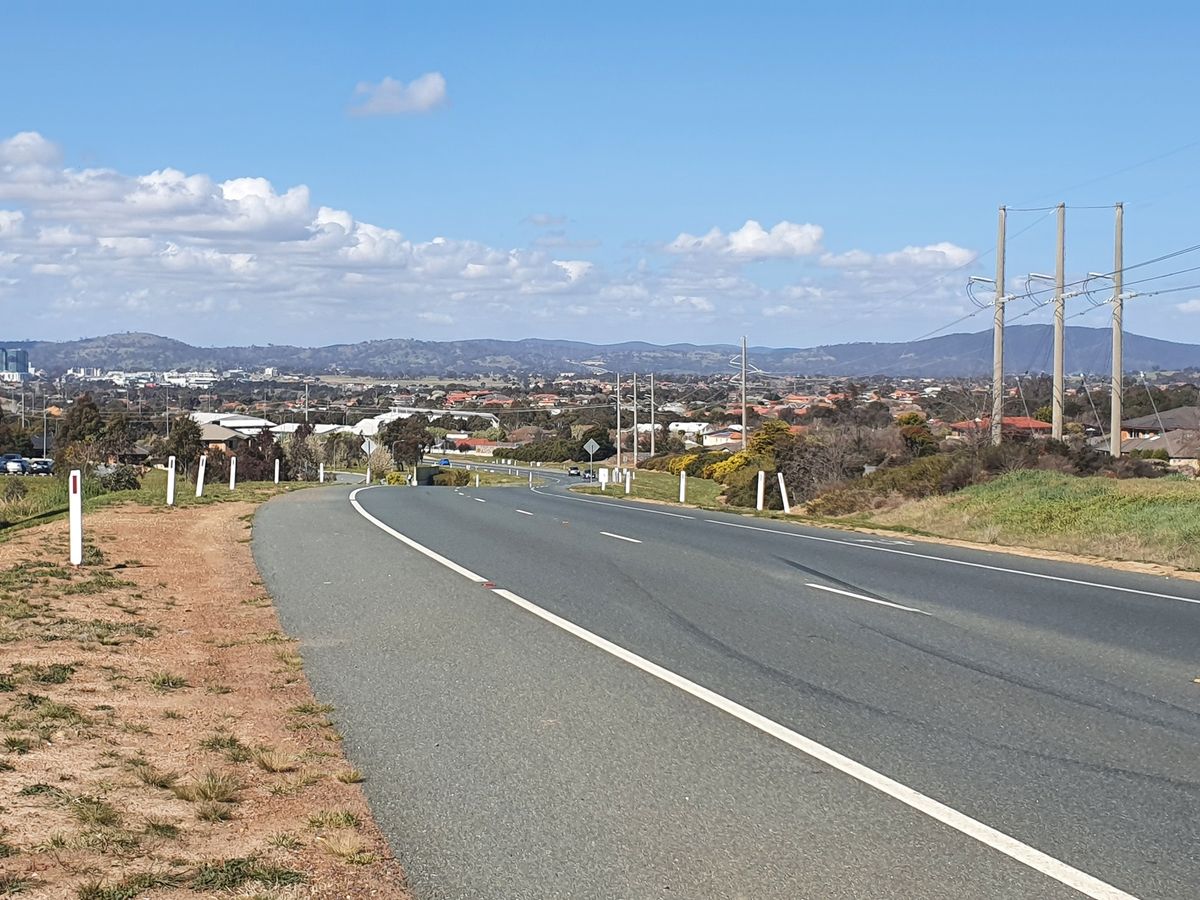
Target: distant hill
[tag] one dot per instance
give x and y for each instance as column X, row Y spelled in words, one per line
column 1027, row 349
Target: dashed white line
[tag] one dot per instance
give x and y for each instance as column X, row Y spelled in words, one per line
column 833, row 590
column 1086, row 884
column 955, row 562
column 524, row 512
column 620, row 537
column 479, row 500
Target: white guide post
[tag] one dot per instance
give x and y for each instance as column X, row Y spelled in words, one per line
column 232, row 473
column 200, row 476
column 277, row 471
column 783, row 493
column 321, row 473
column 171, row 481
column 75, row 506
column 762, row 487
column 476, row 479
column 683, row 487
column 628, row 481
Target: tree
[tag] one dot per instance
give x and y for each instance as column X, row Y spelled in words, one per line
column 12, row 439
column 185, row 445
column 301, row 458
column 1044, row 414
column 407, row 439
column 82, row 423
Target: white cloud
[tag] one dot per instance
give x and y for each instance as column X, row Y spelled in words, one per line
column 545, row 220
column 391, row 97
column 943, row 255
column 99, row 250
column 786, row 240
column 1189, row 306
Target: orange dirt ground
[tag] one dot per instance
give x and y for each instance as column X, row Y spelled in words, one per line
column 171, row 665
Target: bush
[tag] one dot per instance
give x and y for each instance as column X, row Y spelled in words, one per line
column 452, row 478
column 122, row 478
column 14, row 490
column 394, row 478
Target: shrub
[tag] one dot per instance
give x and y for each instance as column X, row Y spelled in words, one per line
column 14, row 490
column 452, row 478
column 122, row 478
column 394, row 478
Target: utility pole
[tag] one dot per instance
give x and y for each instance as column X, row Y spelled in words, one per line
column 618, row 420
column 1060, row 305
column 1118, row 312
column 167, row 413
column 635, row 412
column 45, row 449
column 652, row 425
column 306, row 401
column 998, row 335
column 744, row 416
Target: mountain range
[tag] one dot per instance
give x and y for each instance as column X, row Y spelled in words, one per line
column 1027, row 349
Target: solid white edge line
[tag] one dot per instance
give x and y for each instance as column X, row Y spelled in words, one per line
column 955, row 562
column 620, row 537
column 524, row 512
column 436, row 557
column 1086, row 884
column 833, row 590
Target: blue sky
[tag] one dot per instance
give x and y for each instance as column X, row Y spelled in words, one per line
column 558, row 171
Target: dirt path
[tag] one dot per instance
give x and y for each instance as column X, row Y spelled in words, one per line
column 159, row 736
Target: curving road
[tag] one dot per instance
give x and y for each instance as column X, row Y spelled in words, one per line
column 565, row 696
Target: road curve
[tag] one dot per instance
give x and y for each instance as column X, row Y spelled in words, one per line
column 509, row 758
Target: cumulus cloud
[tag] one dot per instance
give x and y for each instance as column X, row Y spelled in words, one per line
column 786, row 240
column 391, row 97
column 182, row 253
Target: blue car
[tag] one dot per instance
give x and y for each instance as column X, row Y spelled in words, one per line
column 443, row 462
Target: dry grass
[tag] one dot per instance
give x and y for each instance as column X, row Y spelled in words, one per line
column 350, row 776
column 333, row 818
column 212, row 786
column 270, row 760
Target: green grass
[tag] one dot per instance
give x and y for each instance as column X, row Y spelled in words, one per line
column 649, row 485
column 1146, row 520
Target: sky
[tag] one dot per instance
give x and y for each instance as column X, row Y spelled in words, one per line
column 671, row 172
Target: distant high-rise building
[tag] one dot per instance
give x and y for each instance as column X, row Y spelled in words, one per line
column 14, row 360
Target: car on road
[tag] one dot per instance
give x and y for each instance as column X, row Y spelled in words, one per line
column 588, row 476
column 41, row 467
column 13, row 464
column 443, row 461
column 573, row 471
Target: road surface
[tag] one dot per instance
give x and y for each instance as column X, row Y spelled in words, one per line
column 652, row 702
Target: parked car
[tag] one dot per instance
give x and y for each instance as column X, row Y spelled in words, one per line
column 41, row 467
column 443, row 461
column 573, row 471
column 14, row 464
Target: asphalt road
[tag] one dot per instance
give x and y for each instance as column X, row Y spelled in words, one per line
column 509, row 757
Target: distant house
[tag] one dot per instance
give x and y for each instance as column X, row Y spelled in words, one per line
column 218, row 438
column 1182, row 447
column 1182, row 418
column 1012, row 425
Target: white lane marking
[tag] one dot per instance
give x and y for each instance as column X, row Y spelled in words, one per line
column 833, row 590
column 620, row 537
column 524, row 512
column 618, row 505
column 479, row 500
column 436, row 557
column 956, row 562
column 1086, row 884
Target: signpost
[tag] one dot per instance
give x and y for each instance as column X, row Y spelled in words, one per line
column 603, row 479
column 591, row 447
column 75, row 507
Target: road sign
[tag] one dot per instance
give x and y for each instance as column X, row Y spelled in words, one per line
column 368, row 446
column 591, row 447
